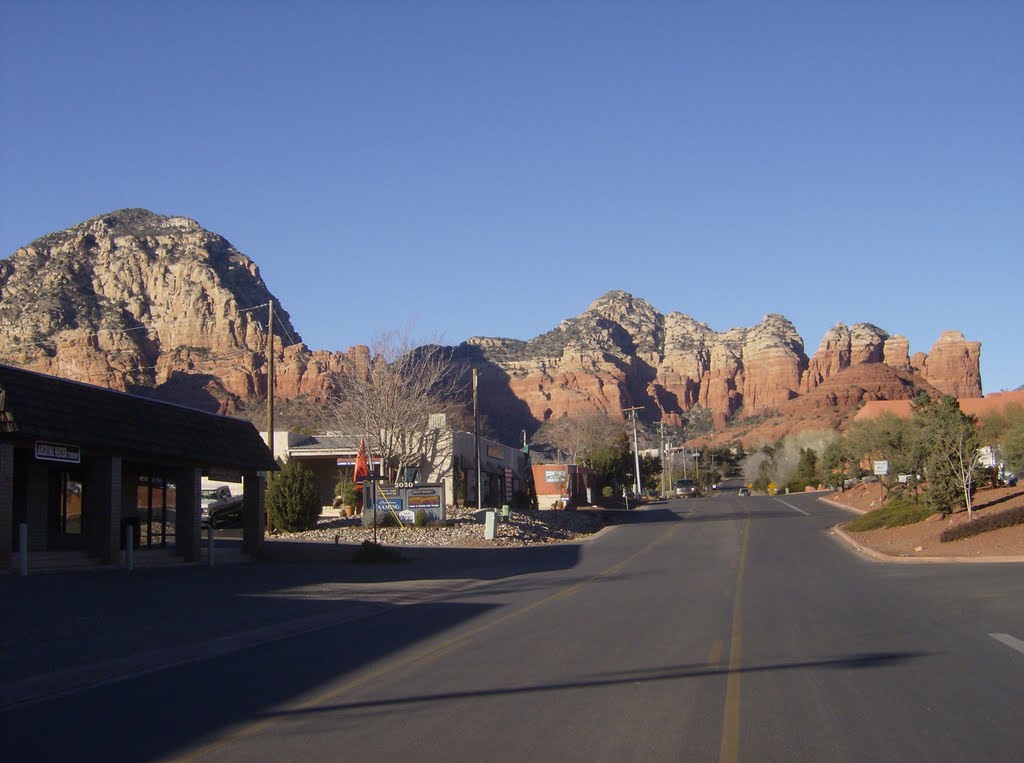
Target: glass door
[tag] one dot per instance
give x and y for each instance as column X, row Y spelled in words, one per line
column 156, row 510
column 67, row 522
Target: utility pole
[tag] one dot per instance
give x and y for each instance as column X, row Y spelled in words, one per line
column 636, row 447
column 476, row 439
column 661, row 452
column 270, row 399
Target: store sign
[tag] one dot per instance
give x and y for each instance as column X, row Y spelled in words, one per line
column 495, row 451
column 55, row 451
column 402, row 497
column 424, row 498
column 555, row 475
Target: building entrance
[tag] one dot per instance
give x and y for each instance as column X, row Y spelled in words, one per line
column 67, row 522
column 156, row 506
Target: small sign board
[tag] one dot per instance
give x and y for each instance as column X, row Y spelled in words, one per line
column 881, row 468
column 55, row 451
column 425, row 498
column 555, row 475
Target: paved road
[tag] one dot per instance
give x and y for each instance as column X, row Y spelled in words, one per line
column 720, row 628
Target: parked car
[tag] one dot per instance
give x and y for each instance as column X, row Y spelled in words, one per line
column 743, row 491
column 686, row 489
column 219, row 506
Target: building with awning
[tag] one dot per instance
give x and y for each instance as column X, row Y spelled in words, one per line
column 80, row 464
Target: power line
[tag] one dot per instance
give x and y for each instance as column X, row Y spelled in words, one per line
column 284, row 326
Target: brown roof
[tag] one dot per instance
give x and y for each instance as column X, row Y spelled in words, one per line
column 35, row 406
column 994, row 402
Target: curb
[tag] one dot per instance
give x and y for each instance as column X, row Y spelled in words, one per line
column 878, row 556
column 843, row 506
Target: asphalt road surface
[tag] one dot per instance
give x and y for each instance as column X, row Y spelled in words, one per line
column 718, row 628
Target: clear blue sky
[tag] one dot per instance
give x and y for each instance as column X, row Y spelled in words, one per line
column 490, row 168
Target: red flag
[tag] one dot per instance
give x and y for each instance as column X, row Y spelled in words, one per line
column 362, row 470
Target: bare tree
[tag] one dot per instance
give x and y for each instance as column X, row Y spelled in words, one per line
column 390, row 398
column 580, row 436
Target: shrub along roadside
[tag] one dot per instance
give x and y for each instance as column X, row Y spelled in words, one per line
column 1007, row 518
column 292, row 499
column 895, row 513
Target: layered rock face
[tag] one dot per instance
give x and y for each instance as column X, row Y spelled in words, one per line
column 953, row 365
column 622, row 353
column 146, row 303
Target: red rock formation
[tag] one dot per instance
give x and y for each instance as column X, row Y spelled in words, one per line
column 831, row 405
column 143, row 302
column 954, row 366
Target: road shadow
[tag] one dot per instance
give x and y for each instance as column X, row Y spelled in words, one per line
column 642, row 516
column 423, row 562
column 858, row 661
column 733, row 516
column 192, row 707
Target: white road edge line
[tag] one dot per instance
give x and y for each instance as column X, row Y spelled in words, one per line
column 794, row 508
column 1010, row 641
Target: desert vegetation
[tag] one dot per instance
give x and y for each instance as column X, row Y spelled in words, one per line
column 934, row 459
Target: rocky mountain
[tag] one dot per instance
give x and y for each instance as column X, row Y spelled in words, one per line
column 146, row 303
column 622, row 352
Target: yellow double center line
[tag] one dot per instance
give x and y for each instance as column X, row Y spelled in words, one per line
column 730, row 749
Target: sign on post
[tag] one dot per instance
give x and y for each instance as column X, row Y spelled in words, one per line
column 881, row 468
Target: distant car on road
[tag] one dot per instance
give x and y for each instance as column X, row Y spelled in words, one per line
column 219, row 506
column 743, row 491
column 686, row 489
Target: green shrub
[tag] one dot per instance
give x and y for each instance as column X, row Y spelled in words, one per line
column 346, row 490
column 606, row 491
column 895, row 513
column 796, row 485
column 422, row 517
column 387, row 519
column 292, row 499
column 1008, row 518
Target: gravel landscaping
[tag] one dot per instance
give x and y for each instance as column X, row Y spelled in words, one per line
column 463, row 527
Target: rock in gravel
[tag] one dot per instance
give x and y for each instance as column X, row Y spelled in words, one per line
column 463, row 527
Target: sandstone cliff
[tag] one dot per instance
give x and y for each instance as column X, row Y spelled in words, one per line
column 137, row 301
column 147, row 303
column 622, row 353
